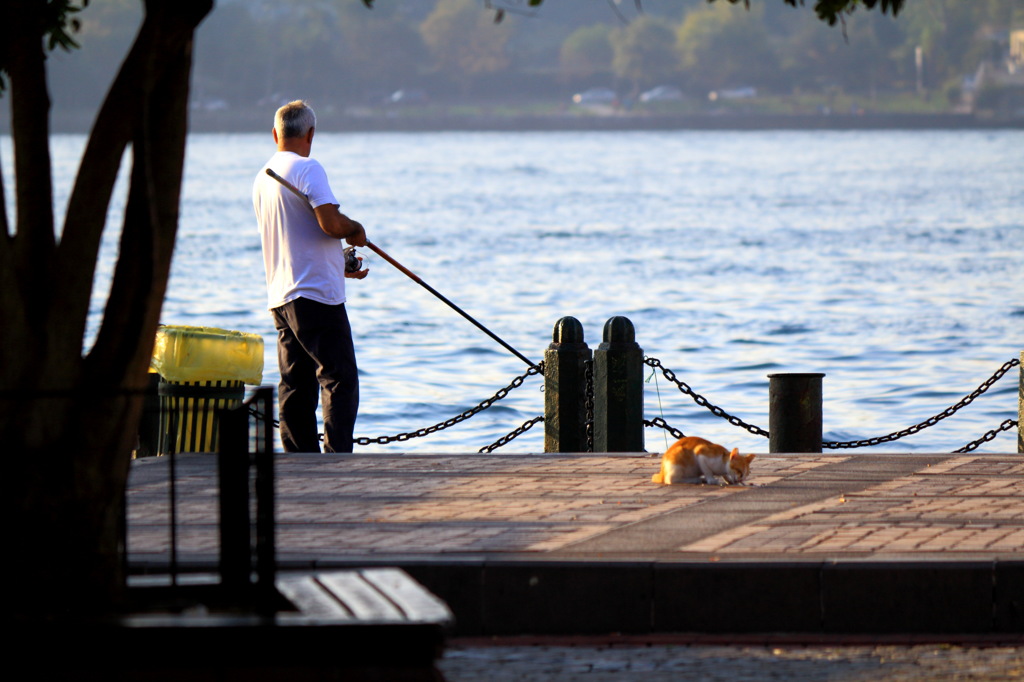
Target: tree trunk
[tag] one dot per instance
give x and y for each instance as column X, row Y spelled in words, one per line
column 68, row 420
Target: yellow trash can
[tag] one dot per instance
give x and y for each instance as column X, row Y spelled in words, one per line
column 202, row 370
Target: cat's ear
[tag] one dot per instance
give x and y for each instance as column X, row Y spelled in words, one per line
column 735, row 453
column 750, row 458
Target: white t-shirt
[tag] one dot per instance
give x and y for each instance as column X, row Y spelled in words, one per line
column 300, row 259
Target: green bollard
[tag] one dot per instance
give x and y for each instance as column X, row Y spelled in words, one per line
column 794, row 412
column 565, row 388
column 619, row 390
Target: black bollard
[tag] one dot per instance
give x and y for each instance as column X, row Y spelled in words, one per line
column 565, row 388
column 619, row 390
column 233, row 479
column 148, row 444
column 794, row 412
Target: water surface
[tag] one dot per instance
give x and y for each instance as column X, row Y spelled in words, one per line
column 890, row 261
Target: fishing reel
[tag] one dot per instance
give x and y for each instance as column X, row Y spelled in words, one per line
column 352, row 262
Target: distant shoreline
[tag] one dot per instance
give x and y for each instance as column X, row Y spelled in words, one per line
column 727, row 121
column 400, row 121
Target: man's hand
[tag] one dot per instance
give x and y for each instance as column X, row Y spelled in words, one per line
column 359, row 274
column 358, row 237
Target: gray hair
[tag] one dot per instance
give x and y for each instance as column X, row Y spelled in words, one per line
column 294, row 119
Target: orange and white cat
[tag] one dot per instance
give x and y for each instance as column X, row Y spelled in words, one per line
column 695, row 460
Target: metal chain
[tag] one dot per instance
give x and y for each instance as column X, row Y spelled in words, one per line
column 516, row 383
column 384, row 440
column 702, row 401
column 990, row 435
column 697, row 398
column 659, row 422
column 931, row 421
column 512, row 435
column 261, row 417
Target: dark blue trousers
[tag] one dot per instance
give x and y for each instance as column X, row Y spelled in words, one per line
column 317, row 359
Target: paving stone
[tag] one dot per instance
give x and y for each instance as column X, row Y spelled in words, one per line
column 602, row 509
column 670, row 662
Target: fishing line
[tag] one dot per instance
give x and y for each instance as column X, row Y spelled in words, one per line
column 657, row 389
column 411, row 275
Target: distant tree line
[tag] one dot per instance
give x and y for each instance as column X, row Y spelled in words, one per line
column 337, row 52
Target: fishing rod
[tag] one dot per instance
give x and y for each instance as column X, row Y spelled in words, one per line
column 411, row 275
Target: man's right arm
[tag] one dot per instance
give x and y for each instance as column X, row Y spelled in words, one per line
column 336, row 224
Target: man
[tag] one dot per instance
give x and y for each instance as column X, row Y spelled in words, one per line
column 305, row 266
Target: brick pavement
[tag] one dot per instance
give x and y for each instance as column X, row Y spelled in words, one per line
column 345, row 506
column 587, row 543
column 509, row 662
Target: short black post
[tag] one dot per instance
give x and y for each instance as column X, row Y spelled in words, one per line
column 149, row 422
column 565, row 388
column 233, row 474
column 1020, row 406
column 266, row 523
column 619, row 390
column 794, row 412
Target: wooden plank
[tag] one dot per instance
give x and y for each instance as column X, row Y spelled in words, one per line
column 416, row 601
column 311, row 598
column 360, row 597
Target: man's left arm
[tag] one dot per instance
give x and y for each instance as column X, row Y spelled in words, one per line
column 336, row 224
